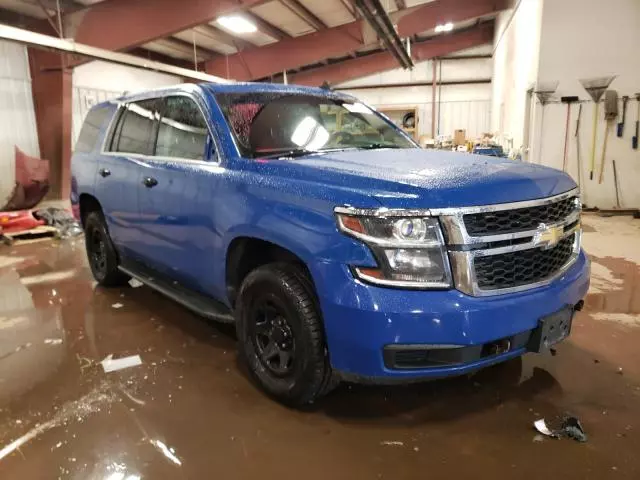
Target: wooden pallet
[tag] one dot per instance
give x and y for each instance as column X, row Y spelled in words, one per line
column 37, row 234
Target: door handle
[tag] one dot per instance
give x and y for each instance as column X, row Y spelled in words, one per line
column 104, row 172
column 149, row 182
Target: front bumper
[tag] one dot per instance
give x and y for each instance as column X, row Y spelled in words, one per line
column 361, row 320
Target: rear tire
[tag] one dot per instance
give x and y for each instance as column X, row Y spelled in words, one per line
column 280, row 334
column 102, row 255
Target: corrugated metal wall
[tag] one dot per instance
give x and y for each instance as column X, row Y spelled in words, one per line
column 17, row 116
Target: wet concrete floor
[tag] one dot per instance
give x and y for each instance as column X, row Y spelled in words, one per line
column 189, row 411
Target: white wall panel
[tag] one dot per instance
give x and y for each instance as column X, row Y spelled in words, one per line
column 601, row 39
column 97, row 81
column 515, row 68
column 17, row 116
column 452, row 70
column 465, row 107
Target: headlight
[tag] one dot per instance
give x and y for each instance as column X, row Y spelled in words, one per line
column 410, row 250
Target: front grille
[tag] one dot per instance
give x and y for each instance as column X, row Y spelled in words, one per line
column 523, row 267
column 518, row 220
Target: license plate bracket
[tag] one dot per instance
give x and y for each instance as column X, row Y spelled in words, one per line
column 551, row 329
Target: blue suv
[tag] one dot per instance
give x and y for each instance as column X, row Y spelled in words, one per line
column 338, row 247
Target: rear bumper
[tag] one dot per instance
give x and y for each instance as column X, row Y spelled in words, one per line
column 361, row 321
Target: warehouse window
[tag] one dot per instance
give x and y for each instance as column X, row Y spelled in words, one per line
column 91, row 129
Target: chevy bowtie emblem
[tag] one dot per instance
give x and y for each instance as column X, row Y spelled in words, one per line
column 548, row 236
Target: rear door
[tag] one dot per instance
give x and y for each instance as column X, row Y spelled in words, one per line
column 132, row 139
column 176, row 197
column 86, row 153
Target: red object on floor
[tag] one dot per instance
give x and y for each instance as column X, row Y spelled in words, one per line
column 11, row 222
column 32, row 182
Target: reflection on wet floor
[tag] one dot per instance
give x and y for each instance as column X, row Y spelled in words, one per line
column 189, row 411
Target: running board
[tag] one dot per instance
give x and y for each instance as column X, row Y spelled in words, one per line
column 196, row 302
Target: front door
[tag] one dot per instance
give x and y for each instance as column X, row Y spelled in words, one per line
column 117, row 181
column 176, row 194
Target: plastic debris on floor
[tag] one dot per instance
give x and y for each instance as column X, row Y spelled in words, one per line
column 168, row 452
column 109, row 364
column 569, row 428
column 61, row 219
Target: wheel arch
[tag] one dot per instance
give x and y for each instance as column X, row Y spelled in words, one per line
column 88, row 203
column 245, row 253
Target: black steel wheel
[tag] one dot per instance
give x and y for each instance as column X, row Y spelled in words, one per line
column 98, row 252
column 280, row 334
column 272, row 336
column 102, row 256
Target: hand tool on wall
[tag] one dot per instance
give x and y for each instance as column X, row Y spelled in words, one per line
column 568, row 101
column 620, row 131
column 615, row 180
column 595, row 87
column 634, row 140
column 610, row 115
column 577, row 135
column 544, row 92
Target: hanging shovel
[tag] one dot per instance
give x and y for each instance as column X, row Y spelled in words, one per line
column 595, row 87
column 610, row 115
column 634, row 140
column 577, row 135
column 620, row 131
column 607, row 127
column 568, row 101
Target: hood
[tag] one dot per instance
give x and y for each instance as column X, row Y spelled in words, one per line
column 417, row 178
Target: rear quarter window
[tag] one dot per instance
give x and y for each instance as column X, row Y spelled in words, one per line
column 90, row 131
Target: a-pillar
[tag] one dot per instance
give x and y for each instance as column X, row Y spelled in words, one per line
column 52, row 86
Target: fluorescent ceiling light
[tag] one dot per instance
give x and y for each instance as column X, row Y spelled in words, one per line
column 237, row 24
column 447, row 27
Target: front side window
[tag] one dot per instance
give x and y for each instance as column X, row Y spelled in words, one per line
column 182, row 132
column 272, row 124
column 135, row 132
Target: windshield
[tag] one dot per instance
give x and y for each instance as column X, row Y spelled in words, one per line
column 279, row 124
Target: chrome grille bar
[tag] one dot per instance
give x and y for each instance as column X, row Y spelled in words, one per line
column 464, row 248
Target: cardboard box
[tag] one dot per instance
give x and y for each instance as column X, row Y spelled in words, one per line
column 459, row 137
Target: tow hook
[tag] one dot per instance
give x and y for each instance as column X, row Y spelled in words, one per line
column 499, row 347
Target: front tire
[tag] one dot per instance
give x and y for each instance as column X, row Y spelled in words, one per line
column 102, row 256
column 280, row 334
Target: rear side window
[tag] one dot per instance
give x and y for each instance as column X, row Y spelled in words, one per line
column 91, row 129
column 182, row 132
column 136, row 129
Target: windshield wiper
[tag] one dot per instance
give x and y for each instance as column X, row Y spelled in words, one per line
column 293, row 152
column 374, row 146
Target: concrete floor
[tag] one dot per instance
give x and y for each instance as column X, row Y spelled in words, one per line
column 189, row 412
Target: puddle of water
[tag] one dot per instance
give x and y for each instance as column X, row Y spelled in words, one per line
column 627, row 319
column 615, row 286
column 77, row 410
